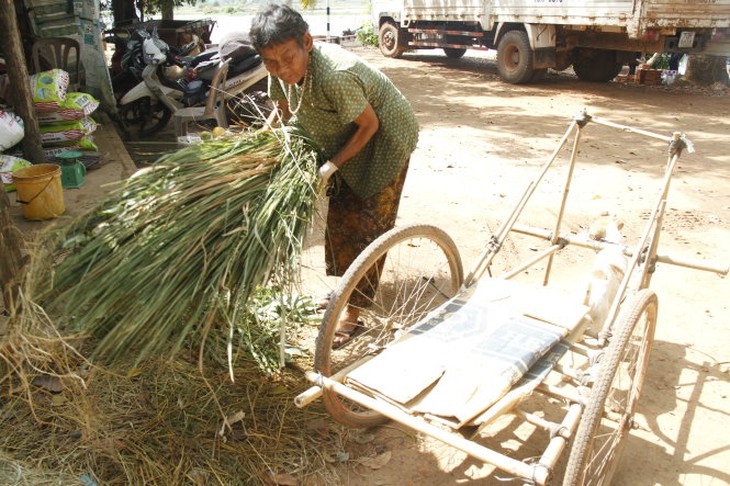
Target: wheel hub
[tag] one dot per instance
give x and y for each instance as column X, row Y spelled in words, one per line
column 389, row 40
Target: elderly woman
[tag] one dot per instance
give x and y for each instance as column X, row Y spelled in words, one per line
column 363, row 125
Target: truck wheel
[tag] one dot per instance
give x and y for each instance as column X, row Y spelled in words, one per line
column 391, row 40
column 514, row 57
column 596, row 65
column 454, row 53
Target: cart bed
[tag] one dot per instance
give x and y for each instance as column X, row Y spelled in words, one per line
column 467, row 354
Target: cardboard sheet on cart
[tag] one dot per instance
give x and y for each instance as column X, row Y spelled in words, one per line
column 468, row 353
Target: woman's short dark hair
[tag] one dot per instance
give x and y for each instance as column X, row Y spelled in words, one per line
column 275, row 24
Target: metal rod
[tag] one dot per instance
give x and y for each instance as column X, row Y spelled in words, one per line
column 566, row 190
column 650, row 258
column 568, row 371
column 313, row 393
column 579, row 348
column 549, row 251
column 596, row 245
column 537, row 421
column 695, row 265
column 496, row 241
column 328, row 21
column 650, row 229
column 626, row 128
column 675, row 151
column 557, row 392
column 505, row 463
column 558, row 442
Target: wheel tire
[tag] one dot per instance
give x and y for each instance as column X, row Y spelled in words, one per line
column 422, row 271
column 597, row 445
column 454, row 53
column 514, row 57
column 596, row 65
column 144, row 117
column 391, row 40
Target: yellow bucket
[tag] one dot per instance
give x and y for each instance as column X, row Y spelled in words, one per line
column 39, row 191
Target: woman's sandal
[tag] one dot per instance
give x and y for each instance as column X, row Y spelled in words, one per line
column 323, row 301
column 348, row 334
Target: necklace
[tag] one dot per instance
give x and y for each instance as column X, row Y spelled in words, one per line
column 306, row 84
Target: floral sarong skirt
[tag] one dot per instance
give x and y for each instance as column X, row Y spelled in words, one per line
column 353, row 223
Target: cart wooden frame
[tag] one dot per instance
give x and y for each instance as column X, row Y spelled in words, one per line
column 593, row 371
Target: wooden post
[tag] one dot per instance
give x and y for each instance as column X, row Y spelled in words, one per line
column 11, row 255
column 19, row 86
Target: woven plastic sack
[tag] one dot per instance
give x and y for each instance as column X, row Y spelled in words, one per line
column 11, row 130
column 75, row 107
column 84, row 143
column 7, row 165
column 49, row 89
column 67, row 131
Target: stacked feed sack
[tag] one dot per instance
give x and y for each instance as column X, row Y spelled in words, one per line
column 64, row 117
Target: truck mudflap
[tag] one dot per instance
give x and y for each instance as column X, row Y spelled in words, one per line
column 544, row 57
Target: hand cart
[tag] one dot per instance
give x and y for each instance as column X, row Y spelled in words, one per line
column 447, row 354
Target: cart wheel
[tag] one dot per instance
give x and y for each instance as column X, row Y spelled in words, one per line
column 610, row 411
column 422, row 271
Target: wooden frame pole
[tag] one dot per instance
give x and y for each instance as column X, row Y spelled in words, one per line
column 19, row 86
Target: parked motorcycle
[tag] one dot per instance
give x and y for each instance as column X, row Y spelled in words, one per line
column 170, row 81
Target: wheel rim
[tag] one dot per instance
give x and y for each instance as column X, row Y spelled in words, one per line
column 144, row 115
column 512, row 58
column 389, row 40
column 417, row 276
column 621, row 401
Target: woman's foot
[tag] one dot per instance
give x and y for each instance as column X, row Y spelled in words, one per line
column 323, row 301
column 348, row 327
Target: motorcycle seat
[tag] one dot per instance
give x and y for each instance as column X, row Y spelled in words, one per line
column 244, row 65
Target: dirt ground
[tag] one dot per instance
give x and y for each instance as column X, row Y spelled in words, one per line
column 481, row 141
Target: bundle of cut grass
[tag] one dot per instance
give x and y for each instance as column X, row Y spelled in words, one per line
column 183, row 245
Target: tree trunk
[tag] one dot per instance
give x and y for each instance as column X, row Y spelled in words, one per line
column 11, row 259
column 19, row 86
column 124, row 12
column 166, row 9
column 706, row 70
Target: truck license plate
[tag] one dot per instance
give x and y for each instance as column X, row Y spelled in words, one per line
column 686, row 40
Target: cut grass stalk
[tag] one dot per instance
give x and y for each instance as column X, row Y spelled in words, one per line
column 185, row 242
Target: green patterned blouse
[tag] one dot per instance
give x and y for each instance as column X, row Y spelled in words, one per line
column 337, row 88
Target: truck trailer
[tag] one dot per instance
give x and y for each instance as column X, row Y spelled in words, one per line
column 596, row 37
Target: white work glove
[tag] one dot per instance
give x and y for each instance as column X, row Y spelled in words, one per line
column 326, row 171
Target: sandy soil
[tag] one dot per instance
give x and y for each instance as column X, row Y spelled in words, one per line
column 481, row 141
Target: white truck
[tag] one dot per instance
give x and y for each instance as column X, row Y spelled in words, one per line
column 596, row 37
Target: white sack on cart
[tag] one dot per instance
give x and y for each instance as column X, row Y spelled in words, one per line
column 607, row 273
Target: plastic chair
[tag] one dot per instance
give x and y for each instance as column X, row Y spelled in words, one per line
column 56, row 52
column 214, row 109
